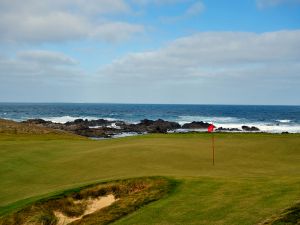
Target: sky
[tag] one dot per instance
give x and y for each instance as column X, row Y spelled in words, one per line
column 150, row 51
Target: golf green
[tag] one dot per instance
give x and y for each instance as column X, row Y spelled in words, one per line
column 254, row 177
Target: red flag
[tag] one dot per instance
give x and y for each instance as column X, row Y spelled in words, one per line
column 210, row 128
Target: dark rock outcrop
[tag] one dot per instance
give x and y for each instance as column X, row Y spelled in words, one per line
column 97, row 132
column 80, row 127
column 159, row 126
column 36, row 121
column 221, row 129
column 150, row 126
column 196, row 125
column 90, row 123
column 105, row 128
column 246, row 128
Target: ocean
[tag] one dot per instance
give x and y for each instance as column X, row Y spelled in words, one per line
column 273, row 119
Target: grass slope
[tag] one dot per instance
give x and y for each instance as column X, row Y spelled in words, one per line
column 131, row 194
column 255, row 176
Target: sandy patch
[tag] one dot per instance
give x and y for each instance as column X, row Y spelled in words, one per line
column 92, row 206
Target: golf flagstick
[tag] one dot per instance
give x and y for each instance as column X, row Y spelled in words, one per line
column 213, row 147
column 210, row 129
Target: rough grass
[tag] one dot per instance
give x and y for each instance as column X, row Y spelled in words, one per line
column 289, row 216
column 132, row 194
column 255, row 175
column 11, row 127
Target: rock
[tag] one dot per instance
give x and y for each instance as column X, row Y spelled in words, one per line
column 196, row 125
column 80, row 127
column 79, row 121
column 105, row 128
column 149, row 126
column 160, row 126
column 146, row 122
column 227, row 129
column 96, row 132
column 36, row 121
column 246, row 128
column 89, row 123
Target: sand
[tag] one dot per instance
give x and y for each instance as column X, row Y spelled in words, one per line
column 93, row 205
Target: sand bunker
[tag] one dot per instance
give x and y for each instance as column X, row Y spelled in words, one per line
column 92, row 206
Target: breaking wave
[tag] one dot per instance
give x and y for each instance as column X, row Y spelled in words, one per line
column 65, row 119
column 284, row 121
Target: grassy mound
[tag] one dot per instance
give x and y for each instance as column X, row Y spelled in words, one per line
column 11, row 127
column 131, row 195
column 290, row 216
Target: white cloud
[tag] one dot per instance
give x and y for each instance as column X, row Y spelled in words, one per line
column 38, row 64
column 193, row 10
column 57, row 26
column 211, row 54
column 38, row 75
column 262, row 4
column 80, row 6
column 55, row 21
column 46, row 57
column 158, row 2
column 208, row 67
column 196, row 8
column 116, row 31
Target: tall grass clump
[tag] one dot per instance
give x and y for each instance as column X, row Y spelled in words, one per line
column 131, row 194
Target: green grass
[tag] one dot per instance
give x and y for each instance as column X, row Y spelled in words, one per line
column 131, row 194
column 255, row 175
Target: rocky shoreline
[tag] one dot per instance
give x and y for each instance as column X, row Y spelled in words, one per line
column 102, row 128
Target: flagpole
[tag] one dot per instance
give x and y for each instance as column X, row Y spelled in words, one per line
column 213, row 148
column 210, row 129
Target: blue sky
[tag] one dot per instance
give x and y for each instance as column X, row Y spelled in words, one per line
column 150, row 51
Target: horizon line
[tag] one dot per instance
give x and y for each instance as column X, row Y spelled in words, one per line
column 131, row 103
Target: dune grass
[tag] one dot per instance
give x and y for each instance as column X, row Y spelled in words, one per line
column 255, row 175
column 130, row 195
column 289, row 216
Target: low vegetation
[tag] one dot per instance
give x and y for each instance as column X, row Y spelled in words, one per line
column 290, row 216
column 131, row 194
column 11, row 127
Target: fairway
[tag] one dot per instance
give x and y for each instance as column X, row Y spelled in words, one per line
column 255, row 175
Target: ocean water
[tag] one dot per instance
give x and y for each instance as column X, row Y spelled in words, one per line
column 274, row 119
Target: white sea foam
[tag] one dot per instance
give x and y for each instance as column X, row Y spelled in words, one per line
column 273, row 128
column 94, row 127
column 126, row 134
column 263, row 127
column 113, row 125
column 268, row 128
column 109, row 119
column 187, row 119
column 121, row 135
column 284, row 121
column 65, row 119
column 278, row 126
column 181, row 130
column 283, row 125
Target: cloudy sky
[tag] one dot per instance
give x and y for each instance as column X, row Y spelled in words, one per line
column 150, row 51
